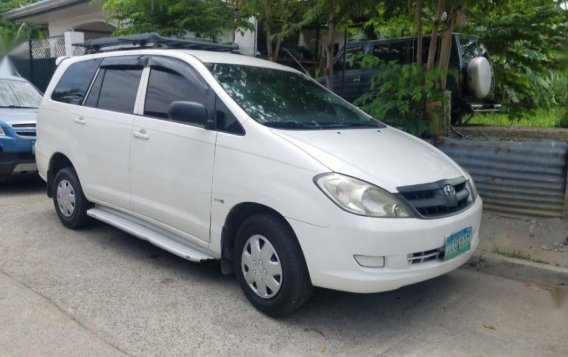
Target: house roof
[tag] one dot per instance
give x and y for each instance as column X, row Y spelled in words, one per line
column 40, row 7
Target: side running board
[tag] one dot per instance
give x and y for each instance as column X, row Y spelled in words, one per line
column 146, row 231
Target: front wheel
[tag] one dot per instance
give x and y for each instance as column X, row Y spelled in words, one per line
column 270, row 266
column 70, row 203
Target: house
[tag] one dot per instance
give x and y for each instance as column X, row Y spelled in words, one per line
column 69, row 22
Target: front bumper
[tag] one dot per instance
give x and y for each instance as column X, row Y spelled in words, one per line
column 330, row 251
column 16, row 157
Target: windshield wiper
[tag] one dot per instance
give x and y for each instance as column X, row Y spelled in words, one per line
column 292, row 125
column 16, row 107
column 349, row 125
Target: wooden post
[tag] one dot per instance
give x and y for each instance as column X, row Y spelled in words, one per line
column 344, row 59
column 31, row 56
column 565, row 212
column 419, row 35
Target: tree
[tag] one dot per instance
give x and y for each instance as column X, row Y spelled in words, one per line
column 12, row 34
column 6, row 5
column 412, row 95
column 533, row 31
column 204, row 18
column 274, row 16
column 334, row 14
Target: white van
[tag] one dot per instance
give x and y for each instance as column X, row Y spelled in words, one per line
column 213, row 155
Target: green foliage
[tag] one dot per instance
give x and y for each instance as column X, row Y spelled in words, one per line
column 551, row 90
column 12, row 34
column 394, row 19
column 6, row 5
column 522, row 38
column 273, row 16
column 540, row 118
column 400, row 93
column 205, row 18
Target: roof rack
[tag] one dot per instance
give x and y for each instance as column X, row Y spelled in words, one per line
column 153, row 40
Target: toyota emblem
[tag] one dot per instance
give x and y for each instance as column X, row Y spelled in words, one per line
column 450, row 191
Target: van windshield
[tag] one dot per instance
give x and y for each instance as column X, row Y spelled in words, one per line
column 18, row 94
column 288, row 100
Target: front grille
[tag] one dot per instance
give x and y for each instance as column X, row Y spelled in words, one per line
column 426, row 256
column 25, row 130
column 437, row 199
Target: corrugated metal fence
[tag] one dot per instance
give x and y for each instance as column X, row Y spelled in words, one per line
column 527, row 178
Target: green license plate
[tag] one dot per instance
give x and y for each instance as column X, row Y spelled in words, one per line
column 458, row 243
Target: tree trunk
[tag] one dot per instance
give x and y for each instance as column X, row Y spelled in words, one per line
column 446, row 47
column 419, row 34
column 434, row 38
column 328, row 70
column 269, row 43
column 277, row 49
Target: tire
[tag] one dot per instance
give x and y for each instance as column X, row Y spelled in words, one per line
column 294, row 288
column 479, row 77
column 70, row 203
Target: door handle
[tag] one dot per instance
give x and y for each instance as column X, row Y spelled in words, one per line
column 141, row 134
column 357, row 79
column 80, row 121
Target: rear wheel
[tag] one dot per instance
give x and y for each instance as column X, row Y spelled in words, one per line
column 270, row 266
column 70, row 203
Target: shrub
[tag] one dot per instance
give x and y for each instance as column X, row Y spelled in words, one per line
column 405, row 96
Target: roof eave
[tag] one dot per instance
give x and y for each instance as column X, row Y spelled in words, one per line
column 39, row 8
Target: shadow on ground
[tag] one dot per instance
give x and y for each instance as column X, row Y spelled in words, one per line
column 22, row 185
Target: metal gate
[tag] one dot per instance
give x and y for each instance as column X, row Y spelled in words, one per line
column 35, row 59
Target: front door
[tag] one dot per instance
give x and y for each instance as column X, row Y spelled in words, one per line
column 171, row 163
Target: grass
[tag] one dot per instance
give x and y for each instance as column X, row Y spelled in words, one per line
column 518, row 255
column 542, row 118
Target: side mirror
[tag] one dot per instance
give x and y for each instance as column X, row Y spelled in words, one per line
column 189, row 112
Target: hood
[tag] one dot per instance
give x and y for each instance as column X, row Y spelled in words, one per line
column 386, row 157
column 15, row 115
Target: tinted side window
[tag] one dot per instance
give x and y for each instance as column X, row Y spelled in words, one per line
column 118, row 90
column 166, row 86
column 74, row 83
column 352, row 59
column 391, row 51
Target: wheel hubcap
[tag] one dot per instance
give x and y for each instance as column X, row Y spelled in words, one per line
column 66, row 198
column 261, row 267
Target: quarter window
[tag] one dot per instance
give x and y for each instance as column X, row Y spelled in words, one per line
column 74, row 83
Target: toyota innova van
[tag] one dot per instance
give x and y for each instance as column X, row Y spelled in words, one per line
column 212, row 155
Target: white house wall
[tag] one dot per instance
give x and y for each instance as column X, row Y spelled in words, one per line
column 58, row 26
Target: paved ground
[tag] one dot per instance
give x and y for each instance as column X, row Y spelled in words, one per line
column 103, row 292
column 543, row 240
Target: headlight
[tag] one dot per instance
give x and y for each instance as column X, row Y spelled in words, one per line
column 473, row 188
column 2, row 133
column 360, row 197
column 471, row 184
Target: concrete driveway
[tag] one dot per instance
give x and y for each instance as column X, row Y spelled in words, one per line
column 103, row 292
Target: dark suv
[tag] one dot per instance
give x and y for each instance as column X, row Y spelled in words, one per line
column 471, row 90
